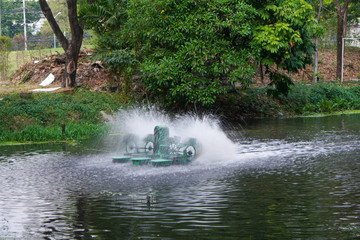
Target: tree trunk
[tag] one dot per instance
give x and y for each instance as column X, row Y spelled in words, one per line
column 0, row 16
column 72, row 47
column 261, row 73
column 70, row 70
column 341, row 16
column 316, row 60
column 345, row 24
column 71, row 61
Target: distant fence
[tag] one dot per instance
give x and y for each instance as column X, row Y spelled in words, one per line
column 43, row 42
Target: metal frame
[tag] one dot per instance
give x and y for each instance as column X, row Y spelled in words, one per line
column 342, row 56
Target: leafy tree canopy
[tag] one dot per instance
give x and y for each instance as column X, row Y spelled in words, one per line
column 59, row 9
column 12, row 19
column 191, row 51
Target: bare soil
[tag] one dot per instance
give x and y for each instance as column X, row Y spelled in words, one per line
column 96, row 77
column 89, row 73
column 327, row 67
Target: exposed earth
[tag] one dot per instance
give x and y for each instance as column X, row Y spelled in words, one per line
column 327, row 67
column 89, row 73
column 96, row 77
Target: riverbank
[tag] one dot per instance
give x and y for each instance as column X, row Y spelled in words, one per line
column 69, row 115
column 303, row 100
column 80, row 114
column 39, row 117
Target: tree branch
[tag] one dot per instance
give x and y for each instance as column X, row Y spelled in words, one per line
column 76, row 28
column 53, row 24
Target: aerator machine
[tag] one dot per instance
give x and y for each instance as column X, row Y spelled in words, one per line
column 158, row 149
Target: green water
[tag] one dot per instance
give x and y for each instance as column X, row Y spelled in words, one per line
column 290, row 179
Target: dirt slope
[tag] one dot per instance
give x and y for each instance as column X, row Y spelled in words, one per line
column 89, row 73
column 327, row 67
column 94, row 75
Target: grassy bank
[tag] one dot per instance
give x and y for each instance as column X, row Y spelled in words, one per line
column 303, row 100
column 61, row 117
column 54, row 116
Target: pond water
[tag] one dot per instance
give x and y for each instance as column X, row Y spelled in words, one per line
column 288, row 179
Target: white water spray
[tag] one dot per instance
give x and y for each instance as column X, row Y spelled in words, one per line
column 215, row 145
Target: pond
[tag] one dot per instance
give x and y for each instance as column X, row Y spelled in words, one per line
column 288, row 179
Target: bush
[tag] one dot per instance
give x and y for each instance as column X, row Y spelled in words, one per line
column 190, row 52
column 5, row 46
column 39, row 118
column 324, row 98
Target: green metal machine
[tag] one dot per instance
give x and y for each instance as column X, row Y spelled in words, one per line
column 158, row 149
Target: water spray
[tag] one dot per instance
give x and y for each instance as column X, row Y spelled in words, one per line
column 150, row 136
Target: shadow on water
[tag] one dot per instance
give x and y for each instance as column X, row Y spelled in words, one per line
column 288, row 179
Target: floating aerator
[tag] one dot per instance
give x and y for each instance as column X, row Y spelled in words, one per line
column 158, row 149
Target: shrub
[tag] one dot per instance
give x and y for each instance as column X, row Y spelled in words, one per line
column 5, row 46
column 40, row 117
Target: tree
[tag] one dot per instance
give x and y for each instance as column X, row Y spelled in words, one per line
column 71, row 47
column 5, row 46
column 187, row 52
column 190, row 52
column 12, row 22
column 341, row 9
column 59, row 9
column 283, row 34
column 316, row 60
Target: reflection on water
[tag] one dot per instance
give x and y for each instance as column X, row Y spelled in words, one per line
column 290, row 179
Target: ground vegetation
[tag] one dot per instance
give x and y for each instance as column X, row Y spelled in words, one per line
column 237, row 60
column 38, row 117
column 5, row 46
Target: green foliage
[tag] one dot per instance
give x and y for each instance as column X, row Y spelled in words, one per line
column 104, row 16
column 302, row 99
column 40, row 117
column 192, row 51
column 38, row 133
column 186, row 51
column 5, row 43
column 329, row 17
column 284, row 36
column 282, row 84
column 5, row 46
column 323, row 98
column 12, row 16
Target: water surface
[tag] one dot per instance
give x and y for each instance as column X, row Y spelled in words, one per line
column 289, row 179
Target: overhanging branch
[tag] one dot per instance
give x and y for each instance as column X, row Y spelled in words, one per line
column 53, row 24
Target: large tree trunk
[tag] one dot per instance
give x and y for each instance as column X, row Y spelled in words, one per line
column 71, row 59
column 316, row 60
column 341, row 16
column 72, row 47
column 0, row 17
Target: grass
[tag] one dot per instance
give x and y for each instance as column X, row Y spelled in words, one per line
column 18, row 58
column 38, row 133
column 322, row 99
column 41, row 116
column 14, row 143
column 314, row 115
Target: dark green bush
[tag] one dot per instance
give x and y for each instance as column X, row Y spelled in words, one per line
column 324, row 98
